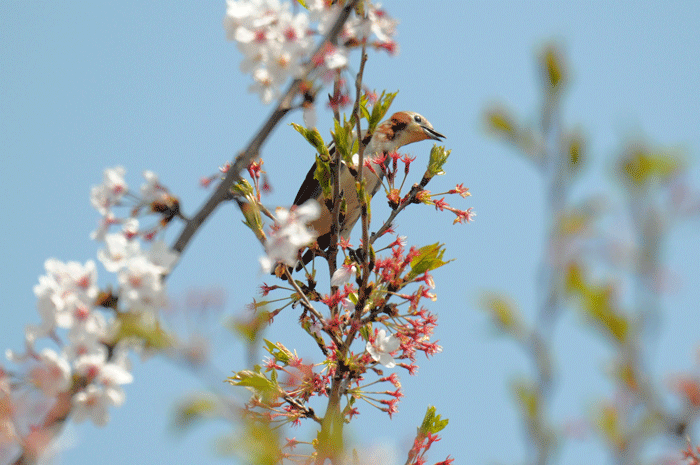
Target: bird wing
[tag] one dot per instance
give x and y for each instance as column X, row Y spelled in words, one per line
column 309, row 189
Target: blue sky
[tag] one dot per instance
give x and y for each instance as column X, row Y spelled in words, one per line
column 155, row 85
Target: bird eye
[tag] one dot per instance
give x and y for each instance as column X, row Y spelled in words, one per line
column 417, row 119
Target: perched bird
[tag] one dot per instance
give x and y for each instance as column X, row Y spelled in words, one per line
column 401, row 129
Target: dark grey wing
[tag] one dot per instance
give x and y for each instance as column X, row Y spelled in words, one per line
column 310, row 188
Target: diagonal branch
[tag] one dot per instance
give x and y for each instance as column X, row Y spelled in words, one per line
column 253, row 149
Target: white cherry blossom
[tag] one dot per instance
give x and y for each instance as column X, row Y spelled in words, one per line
column 119, row 250
column 52, row 373
column 141, row 285
column 382, row 348
column 343, row 274
column 291, row 234
column 111, row 191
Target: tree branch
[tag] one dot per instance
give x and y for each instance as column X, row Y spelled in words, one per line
column 253, row 148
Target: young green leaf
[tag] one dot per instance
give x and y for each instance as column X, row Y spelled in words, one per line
column 314, row 138
column 432, row 423
column 341, row 136
column 428, row 259
column 279, row 351
column 323, row 176
column 438, row 157
column 252, row 379
column 380, row 108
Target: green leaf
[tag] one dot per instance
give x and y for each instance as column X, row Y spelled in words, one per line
column 341, row 135
column 575, row 152
column 501, row 122
column 432, row 423
column 194, row 409
column 252, row 379
column 138, row 325
column 640, row 166
column 380, row 108
column 355, row 148
column 528, row 398
column 365, row 112
column 365, row 332
column 598, row 303
column 314, row 138
column 438, row 157
column 251, row 329
column 504, row 312
column 279, row 351
column 255, row 380
column 253, row 219
column 552, row 68
column 243, row 188
column 609, row 424
column 323, row 176
column 428, row 259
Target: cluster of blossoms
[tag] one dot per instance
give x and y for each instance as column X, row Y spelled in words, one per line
column 83, row 377
column 139, row 272
column 276, row 42
column 402, row 335
column 114, row 193
column 290, row 233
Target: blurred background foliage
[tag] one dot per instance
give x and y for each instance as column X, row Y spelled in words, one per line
column 616, row 286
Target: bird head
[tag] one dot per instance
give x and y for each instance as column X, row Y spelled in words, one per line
column 403, row 128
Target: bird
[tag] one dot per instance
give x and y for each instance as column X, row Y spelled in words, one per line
column 402, row 128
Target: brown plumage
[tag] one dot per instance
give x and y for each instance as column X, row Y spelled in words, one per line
column 403, row 128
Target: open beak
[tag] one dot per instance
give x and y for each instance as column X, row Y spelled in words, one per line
column 432, row 133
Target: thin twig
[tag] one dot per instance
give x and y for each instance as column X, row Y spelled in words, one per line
column 308, row 412
column 332, row 256
column 304, row 300
column 360, row 165
column 362, row 290
column 409, row 199
column 333, row 409
column 336, row 92
column 387, row 224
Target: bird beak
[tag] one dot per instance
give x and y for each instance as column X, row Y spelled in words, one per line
column 432, row 133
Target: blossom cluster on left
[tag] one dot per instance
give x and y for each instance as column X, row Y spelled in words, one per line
column 75, row 359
